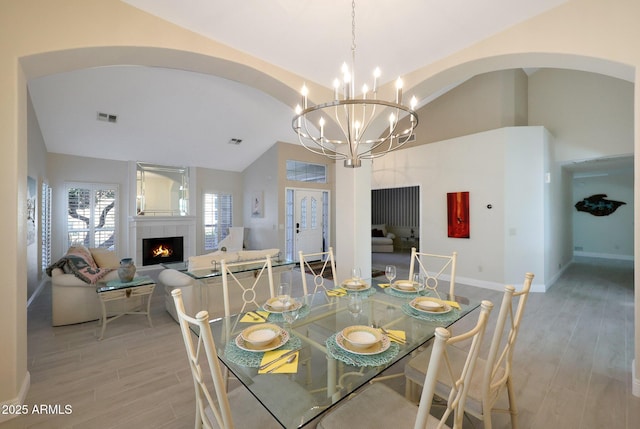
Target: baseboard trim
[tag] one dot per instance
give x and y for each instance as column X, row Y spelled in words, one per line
column 36, row 292
column 604, row 256
column 19, row 400
column 635, row 381
column 537, row 288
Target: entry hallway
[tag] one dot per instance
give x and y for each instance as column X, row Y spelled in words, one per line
column 572, row 362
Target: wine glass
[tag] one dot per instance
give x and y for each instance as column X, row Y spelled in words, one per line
column 390, row 273
column 356, row 274
column 284, row 294
column 290, row 316
column 355, row 305
column 419, row 282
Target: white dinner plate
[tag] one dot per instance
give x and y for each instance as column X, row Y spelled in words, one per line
column 279, row 341
column 272, row 305
column 443, row 310
column 378, row 347
column 355, row 285
column 400, row 286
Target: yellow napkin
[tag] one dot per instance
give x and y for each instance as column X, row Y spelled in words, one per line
column 251, row 317
column 451, row 303
column 398, row 334
column 282, row 367
column 336, row 292
column 384, row 285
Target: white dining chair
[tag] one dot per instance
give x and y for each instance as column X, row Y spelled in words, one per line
column 494, row 373
column 377, row 405
column 435, row 268
column 318, row 265
column 250, row 292
column 215, row 408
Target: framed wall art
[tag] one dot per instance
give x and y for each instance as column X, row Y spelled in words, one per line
column 257, row 204
column 458, row 215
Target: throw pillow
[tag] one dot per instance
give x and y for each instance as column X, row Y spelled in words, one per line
column 377, row 233
column 105, row 258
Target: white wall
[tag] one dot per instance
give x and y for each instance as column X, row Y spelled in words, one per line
column 503, row 168
column 217, row 181
column 261, row 178
column 590, row 115
column 604, row 236
column 37, row 168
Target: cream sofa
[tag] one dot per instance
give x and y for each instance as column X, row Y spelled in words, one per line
column 381, row 239
column 74, row 300
column 170, row 279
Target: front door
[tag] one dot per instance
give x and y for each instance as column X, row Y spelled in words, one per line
column 308, row 221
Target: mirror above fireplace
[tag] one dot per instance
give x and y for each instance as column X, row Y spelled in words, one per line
column 161, row 190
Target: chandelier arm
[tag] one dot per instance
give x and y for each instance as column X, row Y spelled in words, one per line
column 307, row 135
column 356, row 144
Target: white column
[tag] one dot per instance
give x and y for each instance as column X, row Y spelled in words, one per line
column 353, row 219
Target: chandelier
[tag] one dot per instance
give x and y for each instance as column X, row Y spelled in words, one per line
column 355, row 131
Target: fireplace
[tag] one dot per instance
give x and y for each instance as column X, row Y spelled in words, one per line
column 162, row 250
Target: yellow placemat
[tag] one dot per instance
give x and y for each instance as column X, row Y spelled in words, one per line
column 280, row 366
column 259, row 316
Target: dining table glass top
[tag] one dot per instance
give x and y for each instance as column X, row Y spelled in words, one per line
column 327, row 367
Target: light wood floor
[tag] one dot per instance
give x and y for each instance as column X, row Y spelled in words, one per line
column 573, row 361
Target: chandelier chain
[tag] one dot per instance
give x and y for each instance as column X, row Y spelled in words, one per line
column 353, row 31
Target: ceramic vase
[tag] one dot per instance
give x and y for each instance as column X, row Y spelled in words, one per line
column 127, row 270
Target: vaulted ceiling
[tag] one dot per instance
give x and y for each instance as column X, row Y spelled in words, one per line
column 177, row 117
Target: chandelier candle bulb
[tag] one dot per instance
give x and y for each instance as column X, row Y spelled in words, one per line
column 376, row 75
column 304, row 92
column 399, row 91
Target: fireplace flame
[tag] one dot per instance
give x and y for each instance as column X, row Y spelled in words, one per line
column 162, row 252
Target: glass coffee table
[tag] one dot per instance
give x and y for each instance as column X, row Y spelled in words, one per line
column 140, row 288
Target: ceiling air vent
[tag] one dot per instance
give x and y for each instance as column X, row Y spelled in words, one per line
column 106, row 117
column 235, row 141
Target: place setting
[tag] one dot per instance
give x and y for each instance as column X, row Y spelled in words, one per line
column 406, row 288
column 361, row 345
column 355, row 284
column 432, row 309
column 261, row 346
column 283, row 307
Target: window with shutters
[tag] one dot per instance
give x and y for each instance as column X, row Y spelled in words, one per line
column 45, row 227
column 92, row 214
column 218, row 217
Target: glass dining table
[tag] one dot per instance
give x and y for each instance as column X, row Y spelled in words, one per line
column 328, row 368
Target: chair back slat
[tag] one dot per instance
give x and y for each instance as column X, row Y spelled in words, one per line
column 460, row 378
column 318, row 272
column 434, row 268
column 500, row 357
column 218, row 402
column 249, row 292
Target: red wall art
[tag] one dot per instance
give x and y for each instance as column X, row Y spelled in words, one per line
column 458, row 214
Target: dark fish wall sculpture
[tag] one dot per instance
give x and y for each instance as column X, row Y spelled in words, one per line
column 597, row 205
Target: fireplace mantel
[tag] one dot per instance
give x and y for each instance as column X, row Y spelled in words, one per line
column 161, row 226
